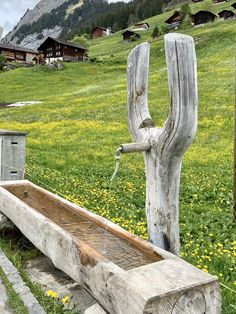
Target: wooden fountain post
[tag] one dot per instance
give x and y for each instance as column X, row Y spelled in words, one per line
column 167, row 145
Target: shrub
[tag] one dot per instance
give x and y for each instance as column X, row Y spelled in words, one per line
column 164, row 29
column 133, row 38
column 156, row 32
column 185, row 16
column 93, row 59
column 2, row 62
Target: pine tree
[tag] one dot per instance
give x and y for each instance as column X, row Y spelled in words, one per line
column 156, row 32
column 185, row 16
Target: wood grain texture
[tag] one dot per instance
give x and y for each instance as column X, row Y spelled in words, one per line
column 168, row 144
column 156, row 288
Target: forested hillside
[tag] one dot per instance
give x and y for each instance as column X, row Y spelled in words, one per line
column 76, row 17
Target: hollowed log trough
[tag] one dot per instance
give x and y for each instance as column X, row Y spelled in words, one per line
column 123, row 272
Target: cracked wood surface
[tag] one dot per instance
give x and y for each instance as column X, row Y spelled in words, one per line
column 169, row 143
column 158, row 287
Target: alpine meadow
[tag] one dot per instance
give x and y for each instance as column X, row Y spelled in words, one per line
column 72, row 137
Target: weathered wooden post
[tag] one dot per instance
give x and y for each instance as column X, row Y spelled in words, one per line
column 163, row 148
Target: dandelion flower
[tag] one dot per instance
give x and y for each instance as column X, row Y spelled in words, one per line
column 49, row 293
column 65, row 299
column 52, row 294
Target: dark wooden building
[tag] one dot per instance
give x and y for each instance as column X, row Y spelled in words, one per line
column 128, row 34
column 196, row 1
column 175, row 17
column 141, row 26
column 226, row 14
column 219, row 1
column 56, row 49
column 18, row 53
column 173, row 21
column 202, row 17
column 99, row 31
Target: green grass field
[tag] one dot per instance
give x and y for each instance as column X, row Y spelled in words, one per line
column 74, row 133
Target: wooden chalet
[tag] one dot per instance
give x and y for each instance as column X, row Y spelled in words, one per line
column 202, row 17
column 196, row 1
column 18, row 53
column 141, row 26
column 99, row 31
column 226, row 14
column 173, row 21
column 128, row 34
column 56, row 49
column 234, row 5
column 219, row 1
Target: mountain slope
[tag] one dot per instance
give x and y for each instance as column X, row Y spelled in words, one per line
column 30, row 16
column 71, row 17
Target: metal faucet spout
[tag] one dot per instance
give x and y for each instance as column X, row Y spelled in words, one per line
column 129, row 148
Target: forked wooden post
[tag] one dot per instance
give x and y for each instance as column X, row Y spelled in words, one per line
column 167, row 144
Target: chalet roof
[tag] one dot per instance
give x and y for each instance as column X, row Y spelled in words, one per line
column 141, row 23
column 173, row 18
column 103, row 28
column 226, row 11
column 17, row 48
column 202, row 12
column 62, row 42
column 128, row 31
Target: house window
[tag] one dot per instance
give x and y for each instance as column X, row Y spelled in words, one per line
column 58, row 53
column 58, row 47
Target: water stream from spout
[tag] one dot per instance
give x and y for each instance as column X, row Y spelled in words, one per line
column 117, row 158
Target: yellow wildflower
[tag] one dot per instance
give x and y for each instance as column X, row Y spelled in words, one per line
column 52, row 294
column 65, row 300
column 49, row 293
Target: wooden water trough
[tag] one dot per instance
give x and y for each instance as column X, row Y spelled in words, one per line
column 123, row 272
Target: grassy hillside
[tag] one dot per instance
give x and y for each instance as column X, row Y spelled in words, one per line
column 74, row 133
